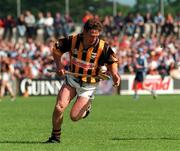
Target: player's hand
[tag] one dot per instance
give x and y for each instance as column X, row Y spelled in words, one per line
column 116, row 79
column 60, row 72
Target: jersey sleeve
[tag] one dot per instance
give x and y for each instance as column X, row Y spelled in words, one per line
column 62, row 45
column 108, row 55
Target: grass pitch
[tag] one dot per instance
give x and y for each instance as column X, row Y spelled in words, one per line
column 116, row 123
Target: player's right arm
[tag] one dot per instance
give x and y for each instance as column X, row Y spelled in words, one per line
column 61, row 46
column 57, row 59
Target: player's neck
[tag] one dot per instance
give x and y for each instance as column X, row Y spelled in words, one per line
column 86, row 44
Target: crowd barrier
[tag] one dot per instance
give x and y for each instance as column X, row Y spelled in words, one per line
column 155, row 82
column 39, row 87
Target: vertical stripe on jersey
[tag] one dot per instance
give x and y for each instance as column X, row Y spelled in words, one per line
column 87, row 58
column 99, row 52
column 84, row 53
column 91, row 60
column 73, row 44
column 79, row 56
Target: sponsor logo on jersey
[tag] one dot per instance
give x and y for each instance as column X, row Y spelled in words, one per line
column 83, row 64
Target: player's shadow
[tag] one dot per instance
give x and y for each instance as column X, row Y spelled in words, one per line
column 145, row 138
column 21, row 142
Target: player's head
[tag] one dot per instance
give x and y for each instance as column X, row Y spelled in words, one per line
column 92, row 29
column 93, row 24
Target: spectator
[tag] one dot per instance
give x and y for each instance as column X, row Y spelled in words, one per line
column 130, row 27
column 59, row 26
column 87, row 16
column 40, row 25
column 49, row 29
column 162, row 69
column 139, row 24
column 168, row 27
column 70, row 26
column 149, row 25
column 159, row 21
column 7, row 75
column 119, row 21
column 21, row 27
column 30, row 24
column 9, row 23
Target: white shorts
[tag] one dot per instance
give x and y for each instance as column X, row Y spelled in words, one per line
column 86, row 90
column 5, row 76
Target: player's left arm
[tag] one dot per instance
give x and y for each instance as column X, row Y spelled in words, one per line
column 112, row 65
column 113, row 68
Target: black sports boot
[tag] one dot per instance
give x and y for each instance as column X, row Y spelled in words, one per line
column 87, row 111
column 55, row 137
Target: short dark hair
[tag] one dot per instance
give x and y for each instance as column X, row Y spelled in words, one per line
column 93, row 24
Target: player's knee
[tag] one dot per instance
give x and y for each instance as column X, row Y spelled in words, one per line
column 59, row 108
column 74, row 117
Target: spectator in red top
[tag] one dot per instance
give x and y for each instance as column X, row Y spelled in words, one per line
column 9, row 23
column 87, row 16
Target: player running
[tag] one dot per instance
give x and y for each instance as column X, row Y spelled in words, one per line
column 87, row 53
column 140, row 73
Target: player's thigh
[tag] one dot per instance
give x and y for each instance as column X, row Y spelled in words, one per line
column 3, row 85
column 9, row 86
column 65, row 95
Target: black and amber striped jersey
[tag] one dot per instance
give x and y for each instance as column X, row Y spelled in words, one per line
column 85, row 60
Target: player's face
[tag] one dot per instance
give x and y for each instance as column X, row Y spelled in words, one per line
column 91, row 36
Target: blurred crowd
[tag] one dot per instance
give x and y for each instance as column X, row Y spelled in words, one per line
column 157, row 36
column 26, row 42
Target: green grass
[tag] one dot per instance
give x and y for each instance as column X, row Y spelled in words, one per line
column 116, row 123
